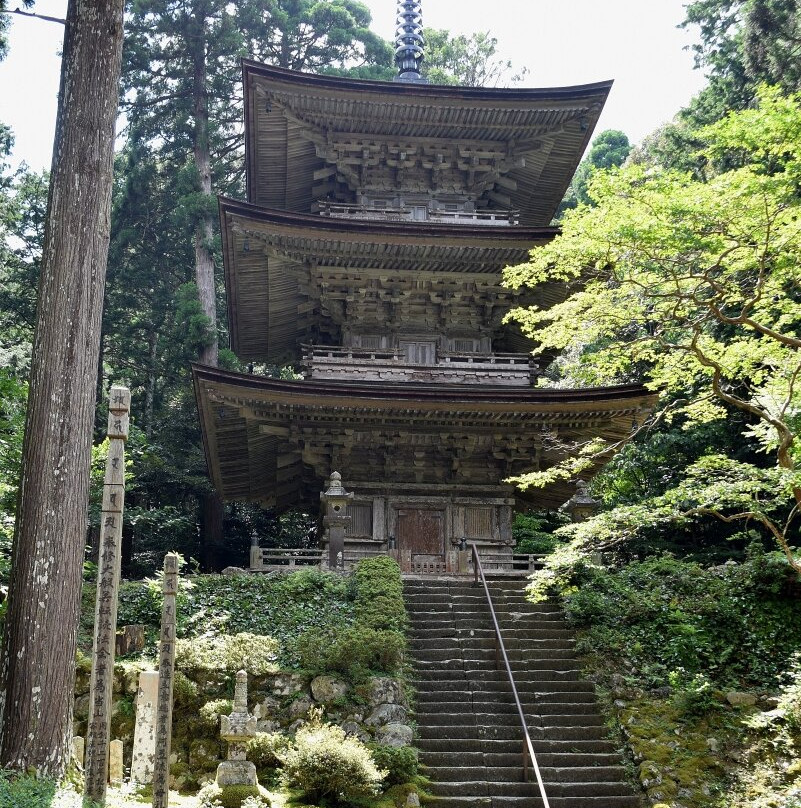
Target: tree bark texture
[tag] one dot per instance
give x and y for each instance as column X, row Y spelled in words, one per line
column 211, row 528
column 37, row 668
column 204, row 229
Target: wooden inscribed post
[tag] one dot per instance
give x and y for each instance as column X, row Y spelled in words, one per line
column 161, row 763
column 108, row 583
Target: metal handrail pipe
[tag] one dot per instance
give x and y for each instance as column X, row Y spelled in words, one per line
column 528, row 748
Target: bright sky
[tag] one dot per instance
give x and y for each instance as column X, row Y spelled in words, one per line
column 562, row 42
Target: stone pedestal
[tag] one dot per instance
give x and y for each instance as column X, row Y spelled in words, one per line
column 236, row 773
column 144, row 746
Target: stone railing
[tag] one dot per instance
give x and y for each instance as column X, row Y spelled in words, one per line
column 391, row 365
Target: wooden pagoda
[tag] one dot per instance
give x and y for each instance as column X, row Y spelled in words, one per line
column 369, row 254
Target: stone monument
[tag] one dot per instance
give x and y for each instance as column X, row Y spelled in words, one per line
column 144, row 745
column 108, row 584
column 237, row 729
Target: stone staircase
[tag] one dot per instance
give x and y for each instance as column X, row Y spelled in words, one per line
column 470, row 738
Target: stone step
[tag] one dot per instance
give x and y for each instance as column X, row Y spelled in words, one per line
column 553, row 761
column 512, row 731
column 493, row 746
column 422, row 646
column 465, row 611
column 526, row 681
column 514, row 772
column 561, row 663
column 422, row 628
column 429, row 655
column 547, row 693
column 507, row 706
column 488, row 713
column 521, row 789
column 491, row 718
column 550, row 629
column 431, row 621
column 536, row 802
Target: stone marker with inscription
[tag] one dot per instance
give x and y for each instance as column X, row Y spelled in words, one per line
column 161, row 762
column 144, row 745
column 115, row 769
column 78, row 748
column 108, row 582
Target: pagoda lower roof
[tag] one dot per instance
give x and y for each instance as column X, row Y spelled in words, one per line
column 274, row 441
column 298, row 124
column 275, row 262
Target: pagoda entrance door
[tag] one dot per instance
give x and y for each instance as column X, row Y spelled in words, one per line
column 421, row 539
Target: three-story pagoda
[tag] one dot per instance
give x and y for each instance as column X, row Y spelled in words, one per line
column 369, row 253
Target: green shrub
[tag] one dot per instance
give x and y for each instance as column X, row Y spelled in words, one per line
column 25, row 791
column 356, row 652
column 533, row 531
column 732, row 624
column 325, row 764
column 693, row 695
column 401, row 763
column 377, row 576
column 382, row 613
column 254, row 653
column 211, row 711
column 277, row 605
column 313, row 582
column 790, row 698
column 184, row 690
column 213, row 796
column 266, row 748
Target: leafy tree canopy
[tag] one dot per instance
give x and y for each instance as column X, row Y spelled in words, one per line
column 695, row 287
column 609, row 150
column 468, row 61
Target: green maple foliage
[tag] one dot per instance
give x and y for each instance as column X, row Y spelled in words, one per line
column 694, row 287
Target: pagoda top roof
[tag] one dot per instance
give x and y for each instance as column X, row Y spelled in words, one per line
column 530, row 139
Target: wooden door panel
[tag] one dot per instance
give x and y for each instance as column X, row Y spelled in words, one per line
column 421, row 531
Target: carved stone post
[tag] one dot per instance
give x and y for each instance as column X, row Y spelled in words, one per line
column 161, row 763
column 237, row 729
column 108, row 584
column 335, row 521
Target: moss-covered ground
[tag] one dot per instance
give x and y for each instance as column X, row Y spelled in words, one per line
column 698, row 671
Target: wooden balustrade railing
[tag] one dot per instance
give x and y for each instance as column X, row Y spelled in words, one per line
column 500, row 653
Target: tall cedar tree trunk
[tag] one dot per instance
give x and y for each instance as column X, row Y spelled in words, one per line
column 37, row 669
column 211, row 519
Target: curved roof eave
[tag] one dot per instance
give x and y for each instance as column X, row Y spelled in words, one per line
column 425, row 91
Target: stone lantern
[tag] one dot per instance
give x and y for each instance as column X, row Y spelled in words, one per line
column 581, row 505
column 335, row 520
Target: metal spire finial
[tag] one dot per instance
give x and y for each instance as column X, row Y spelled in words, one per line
column 409, row 41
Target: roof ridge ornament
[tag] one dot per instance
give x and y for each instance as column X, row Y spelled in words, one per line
column 409, row 42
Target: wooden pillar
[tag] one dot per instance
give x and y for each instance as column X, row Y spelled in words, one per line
column 161, row 763
column 108, row 583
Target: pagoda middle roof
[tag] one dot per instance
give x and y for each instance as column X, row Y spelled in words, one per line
column 294, row 119
column 270, row 256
